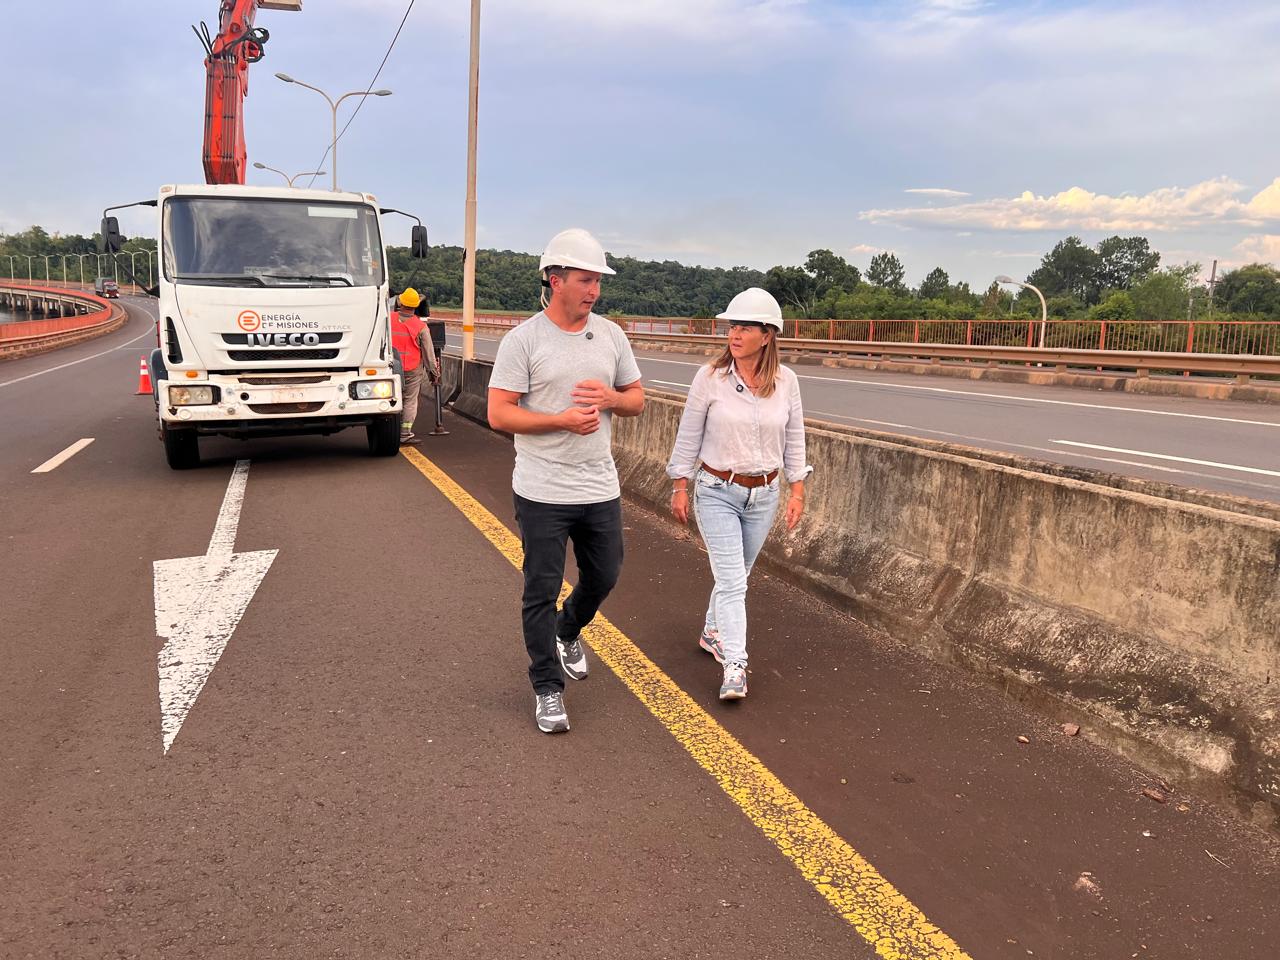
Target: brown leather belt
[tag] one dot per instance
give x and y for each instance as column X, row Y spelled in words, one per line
column 742, row 479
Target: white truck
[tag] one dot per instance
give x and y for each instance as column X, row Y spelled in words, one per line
column 273, row 316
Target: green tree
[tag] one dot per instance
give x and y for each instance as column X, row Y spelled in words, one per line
column 1254, row 288
column 1070, row 268
column 1118, row 306
column 886, row 272
column 792, row 286
column 1124, row 261
column 1164, row 294
column 936, row 285
column 831, row 272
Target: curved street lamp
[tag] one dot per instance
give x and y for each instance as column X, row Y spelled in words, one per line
column 333, row 106
column 288, row 179
column 1044, row 310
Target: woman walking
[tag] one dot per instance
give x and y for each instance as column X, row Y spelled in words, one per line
column 742, row 425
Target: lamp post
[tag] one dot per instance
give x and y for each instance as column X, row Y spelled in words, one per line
column 30, row 257
column 469, row 230
column 333, row 107
column 151, row 258
column 80, row 257
column 47, row 279
column 288, row 179
column 1044, row 310
column 11, row 259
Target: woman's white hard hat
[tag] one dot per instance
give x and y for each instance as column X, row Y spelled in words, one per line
column 754, row 305
column 575, row 248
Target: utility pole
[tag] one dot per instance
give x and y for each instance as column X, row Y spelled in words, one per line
column 1213, row 281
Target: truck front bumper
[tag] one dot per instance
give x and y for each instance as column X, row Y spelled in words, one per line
column 260, row 404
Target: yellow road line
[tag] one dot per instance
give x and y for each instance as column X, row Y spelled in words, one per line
column 887, row 920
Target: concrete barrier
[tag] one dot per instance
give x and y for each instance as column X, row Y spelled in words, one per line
column 27, row 337
column 1153, row 621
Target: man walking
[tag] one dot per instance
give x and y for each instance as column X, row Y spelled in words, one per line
column 558, row 380
column 412, row 340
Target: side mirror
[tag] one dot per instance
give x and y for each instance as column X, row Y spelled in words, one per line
column 419, row 241
column 109, row 240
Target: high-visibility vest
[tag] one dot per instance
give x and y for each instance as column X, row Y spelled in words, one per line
column 404, row 337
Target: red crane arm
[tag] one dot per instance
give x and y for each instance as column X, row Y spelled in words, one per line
column 237, row 44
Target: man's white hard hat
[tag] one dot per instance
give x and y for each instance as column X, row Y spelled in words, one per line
column 577, row 249
column 754, row 305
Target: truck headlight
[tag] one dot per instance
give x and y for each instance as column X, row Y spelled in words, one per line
column 190, row 396
column 373, row 389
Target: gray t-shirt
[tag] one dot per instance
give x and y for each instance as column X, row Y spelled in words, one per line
column 545, row 363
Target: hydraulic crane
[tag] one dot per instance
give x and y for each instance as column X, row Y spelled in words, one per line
column 238, row 43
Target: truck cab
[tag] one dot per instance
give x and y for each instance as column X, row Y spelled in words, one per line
column 106, row 287
column 273, row 317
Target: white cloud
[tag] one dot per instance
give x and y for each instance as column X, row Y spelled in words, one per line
column 865, row 248
column 1260, row 248
column 937, row 192
column 1167, row 208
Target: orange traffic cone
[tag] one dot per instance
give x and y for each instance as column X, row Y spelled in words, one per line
column 144, row 377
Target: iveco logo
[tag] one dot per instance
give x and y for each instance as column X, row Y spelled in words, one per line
column 283, row 339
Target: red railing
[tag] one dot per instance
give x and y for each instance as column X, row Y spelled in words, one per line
column 1255, row 338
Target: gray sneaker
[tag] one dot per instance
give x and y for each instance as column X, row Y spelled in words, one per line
column 735, row 681
column 549, row 712
column 573, row 658
column 710, row 642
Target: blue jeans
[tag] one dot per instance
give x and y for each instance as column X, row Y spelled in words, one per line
column 734, row 521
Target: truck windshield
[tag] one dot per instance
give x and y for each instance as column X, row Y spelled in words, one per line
column 247, row 241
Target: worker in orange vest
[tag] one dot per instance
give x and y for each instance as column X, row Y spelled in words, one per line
column 412, row 341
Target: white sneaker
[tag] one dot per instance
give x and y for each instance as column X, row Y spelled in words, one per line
column 735, row 681
column 549, row 712
column 573, row 658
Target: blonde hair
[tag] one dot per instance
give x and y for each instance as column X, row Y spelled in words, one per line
column 766, row 371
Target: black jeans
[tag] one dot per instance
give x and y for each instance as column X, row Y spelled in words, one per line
column 596, row 532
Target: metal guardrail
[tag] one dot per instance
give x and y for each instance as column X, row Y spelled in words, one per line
column 1142, row 362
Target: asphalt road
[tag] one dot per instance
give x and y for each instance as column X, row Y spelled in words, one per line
column 360, row 775
column 1228, row 447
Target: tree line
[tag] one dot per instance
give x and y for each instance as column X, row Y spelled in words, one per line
column 1119, row 278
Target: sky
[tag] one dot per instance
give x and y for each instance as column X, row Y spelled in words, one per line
column 967, row 134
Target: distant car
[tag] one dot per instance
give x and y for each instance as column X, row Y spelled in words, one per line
column 106, row 287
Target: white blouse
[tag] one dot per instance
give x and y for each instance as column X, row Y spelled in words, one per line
column 728, row 427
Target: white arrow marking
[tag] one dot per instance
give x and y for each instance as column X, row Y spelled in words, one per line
column 199, row 602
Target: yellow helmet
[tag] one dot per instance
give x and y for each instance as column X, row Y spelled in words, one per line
column 410, row 298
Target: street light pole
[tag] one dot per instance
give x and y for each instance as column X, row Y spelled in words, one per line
column 288, row 179
column 1044, row 310
column 333, row 108
column 469, row 241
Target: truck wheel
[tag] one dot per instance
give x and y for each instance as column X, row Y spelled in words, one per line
column 181, row 448
column 384, row 435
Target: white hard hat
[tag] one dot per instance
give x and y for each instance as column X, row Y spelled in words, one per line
column 577, row 249
column 754, row 305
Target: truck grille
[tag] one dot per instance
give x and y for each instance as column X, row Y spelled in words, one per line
column 303, row 407
column 242, row 339
column 282, row 354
